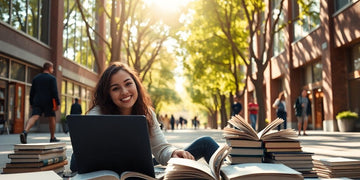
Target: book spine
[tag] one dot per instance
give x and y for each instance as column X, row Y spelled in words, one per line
column 53, row 160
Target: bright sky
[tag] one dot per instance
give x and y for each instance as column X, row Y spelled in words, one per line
column 168, row 5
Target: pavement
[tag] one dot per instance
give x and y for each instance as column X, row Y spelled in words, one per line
column 323, row 144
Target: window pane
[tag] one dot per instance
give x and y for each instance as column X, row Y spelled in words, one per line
column 44, row 21
column 69, row 102
column 17, row 71
column 63, row 87
column 32, row 72
column 76, row 91
column 63, row 105
column 4, row 10
column 83, row 93
column 317, row 72
column 18, row 16
column 70, row 88
column 356, row 58
column 354, row 89
column 308, row 21
column 83, row 106
column 340, row 3
column 33, row 18
column 4, row 67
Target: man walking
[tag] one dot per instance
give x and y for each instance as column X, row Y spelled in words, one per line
column 76, row 107
column 44, row 99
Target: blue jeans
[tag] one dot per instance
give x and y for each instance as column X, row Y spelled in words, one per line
column 202, row 147
column 253, row 120
column 282, row 115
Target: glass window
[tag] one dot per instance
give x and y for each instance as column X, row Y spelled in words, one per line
column 29, row 16
column 279, row 41
column 356, row 58
column 33, row 18
column 308, row 21
column 84, row 106
column 32, row 72
column 76, row 91
column 317, row 72
column 18, row 15
column 17, row 71
column 340, row 4
column 63, row 105
column 83, row 93
column 4, row 10
column 44, row 19
column 4, row 67
column 76, row 44
column 69, row 88
column 69, row 102
column 354, row 89
column 63, row 87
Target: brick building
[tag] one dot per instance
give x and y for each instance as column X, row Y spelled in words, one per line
column 33, row 32
column 320, row 54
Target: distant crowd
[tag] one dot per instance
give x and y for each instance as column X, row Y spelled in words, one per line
column 172, row 123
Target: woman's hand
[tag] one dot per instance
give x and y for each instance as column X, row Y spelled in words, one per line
column 182, row 154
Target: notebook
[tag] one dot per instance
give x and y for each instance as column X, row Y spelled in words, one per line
column 111, row 142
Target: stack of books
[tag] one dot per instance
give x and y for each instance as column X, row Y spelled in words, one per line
column 299, row 161
column 245, row 151
column 37, row 157
column 289, row 152
column 247, row 145
column 337, row 167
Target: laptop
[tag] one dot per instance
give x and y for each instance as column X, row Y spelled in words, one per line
column 111, row 142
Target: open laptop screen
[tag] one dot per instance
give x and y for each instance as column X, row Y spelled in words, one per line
column 111, row 142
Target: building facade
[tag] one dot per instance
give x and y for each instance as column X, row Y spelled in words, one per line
column 33, row 32
column 320, row 54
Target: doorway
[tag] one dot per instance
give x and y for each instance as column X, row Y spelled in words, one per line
column 316, row 97
column 16, row 106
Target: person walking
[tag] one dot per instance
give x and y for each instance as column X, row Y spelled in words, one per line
column 253, row 110
column 280, row 107
column 236, row 107
column 302, row 111
column 44, row 99
column 172, row 122
column 76, row 107
column 166, row 121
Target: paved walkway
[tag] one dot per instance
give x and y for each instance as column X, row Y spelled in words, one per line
column 323, row 144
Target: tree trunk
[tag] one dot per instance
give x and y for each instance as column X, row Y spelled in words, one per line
column 259, row 87
column 224, row 116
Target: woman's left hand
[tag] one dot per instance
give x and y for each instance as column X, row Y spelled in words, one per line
column 182, row 154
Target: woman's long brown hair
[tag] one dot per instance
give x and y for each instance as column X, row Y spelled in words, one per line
column 142, row 106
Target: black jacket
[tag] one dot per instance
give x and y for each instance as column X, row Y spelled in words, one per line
column 44, row 90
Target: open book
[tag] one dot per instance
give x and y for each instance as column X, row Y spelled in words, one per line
column 240, row 129
column 177, row 168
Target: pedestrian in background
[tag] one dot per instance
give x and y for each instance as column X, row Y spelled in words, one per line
column 302, row 111
column 280, row 107
column 253, row 110
column 76, row 107
column 44, row 99
column 172, row 122
column 236, row 107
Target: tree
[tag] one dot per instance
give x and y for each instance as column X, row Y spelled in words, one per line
column 260, row 23
column 212, row 64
